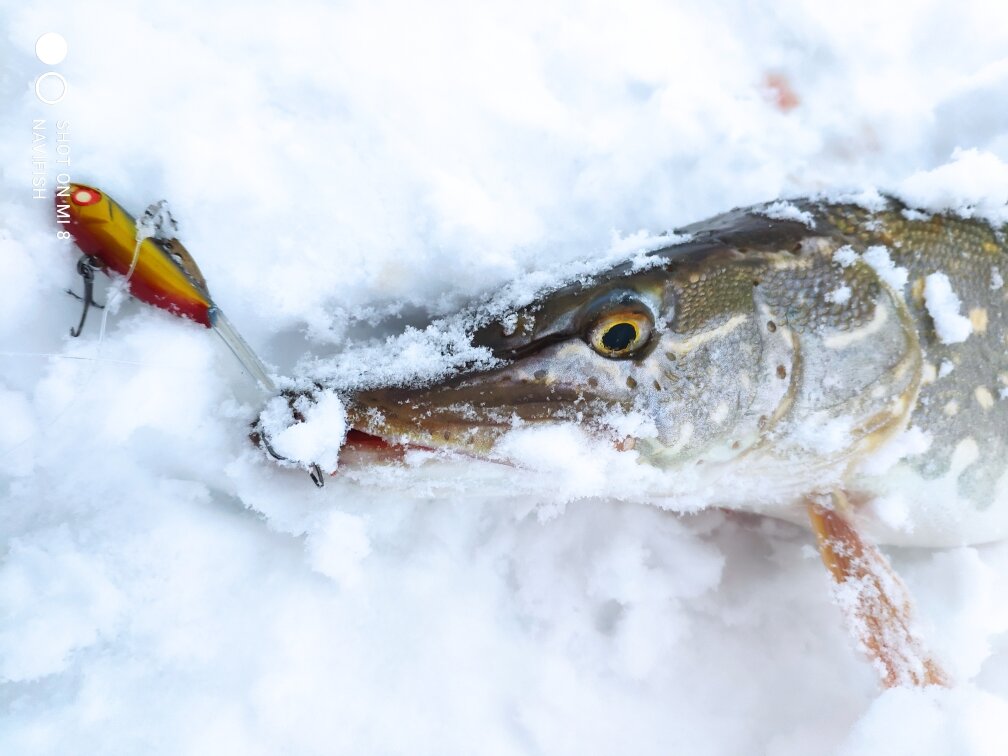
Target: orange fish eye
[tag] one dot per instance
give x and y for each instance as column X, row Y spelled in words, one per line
column 85, row 196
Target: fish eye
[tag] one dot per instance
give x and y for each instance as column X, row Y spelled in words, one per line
column 619, row 335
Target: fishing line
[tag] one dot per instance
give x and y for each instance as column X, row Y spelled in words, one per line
column 83, row 358
column 91, row 358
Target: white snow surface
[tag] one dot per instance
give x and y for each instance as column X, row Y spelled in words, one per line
column 344, row 172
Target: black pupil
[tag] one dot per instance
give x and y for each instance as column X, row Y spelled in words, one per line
column 619, row 337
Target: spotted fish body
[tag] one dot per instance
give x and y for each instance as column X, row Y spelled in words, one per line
column 782, row 356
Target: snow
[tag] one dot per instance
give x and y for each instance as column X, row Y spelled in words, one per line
column 907, row 443
column 878, row 258
column 943, row 305
column 344, row 174
column 925, row 722
column 973, row 184
column 783, row 210
column 839, row 295
column 845, row 256
column 316, row 437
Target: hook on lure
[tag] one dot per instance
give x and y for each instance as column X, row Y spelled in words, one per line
column 86, row 267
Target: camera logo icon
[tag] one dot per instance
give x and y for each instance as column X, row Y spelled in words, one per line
column 51, row 49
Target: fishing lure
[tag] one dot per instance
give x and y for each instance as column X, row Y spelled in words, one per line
column 157, row 267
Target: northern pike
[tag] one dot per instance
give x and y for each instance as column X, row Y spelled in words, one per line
column 814, row 359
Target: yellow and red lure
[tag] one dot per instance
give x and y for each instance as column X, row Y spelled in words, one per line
column 164, row 274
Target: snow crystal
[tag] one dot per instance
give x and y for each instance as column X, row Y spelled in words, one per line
column 944, row 307
column 996, row 280
column 946, row 367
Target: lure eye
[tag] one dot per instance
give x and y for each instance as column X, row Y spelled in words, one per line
column 619, row 335
column 83, row 196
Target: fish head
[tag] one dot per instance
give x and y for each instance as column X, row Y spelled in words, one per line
column 564, row 359
column 667, row 360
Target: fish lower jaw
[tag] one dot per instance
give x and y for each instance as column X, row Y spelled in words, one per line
column 361, row 446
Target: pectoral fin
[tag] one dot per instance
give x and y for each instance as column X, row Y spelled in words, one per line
column 874, row 600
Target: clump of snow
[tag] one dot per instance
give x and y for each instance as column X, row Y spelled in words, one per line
column 877, row 256
column 413, row 356
column 943, row 305
column 894, row 511
column 845, row 256
column 868, row 197
column 840, row 295
column 559, row 449
column 912, row 214
column 973, row 184
column 784, row 210
column 315, row 439
column 945, row 368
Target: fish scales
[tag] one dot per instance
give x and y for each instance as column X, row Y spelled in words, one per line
column 963, row 409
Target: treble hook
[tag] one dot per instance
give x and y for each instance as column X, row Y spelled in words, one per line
column 86, row 267
column 314, row 471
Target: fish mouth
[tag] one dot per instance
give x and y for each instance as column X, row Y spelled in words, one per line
column 360, row 447
column 465, row 416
